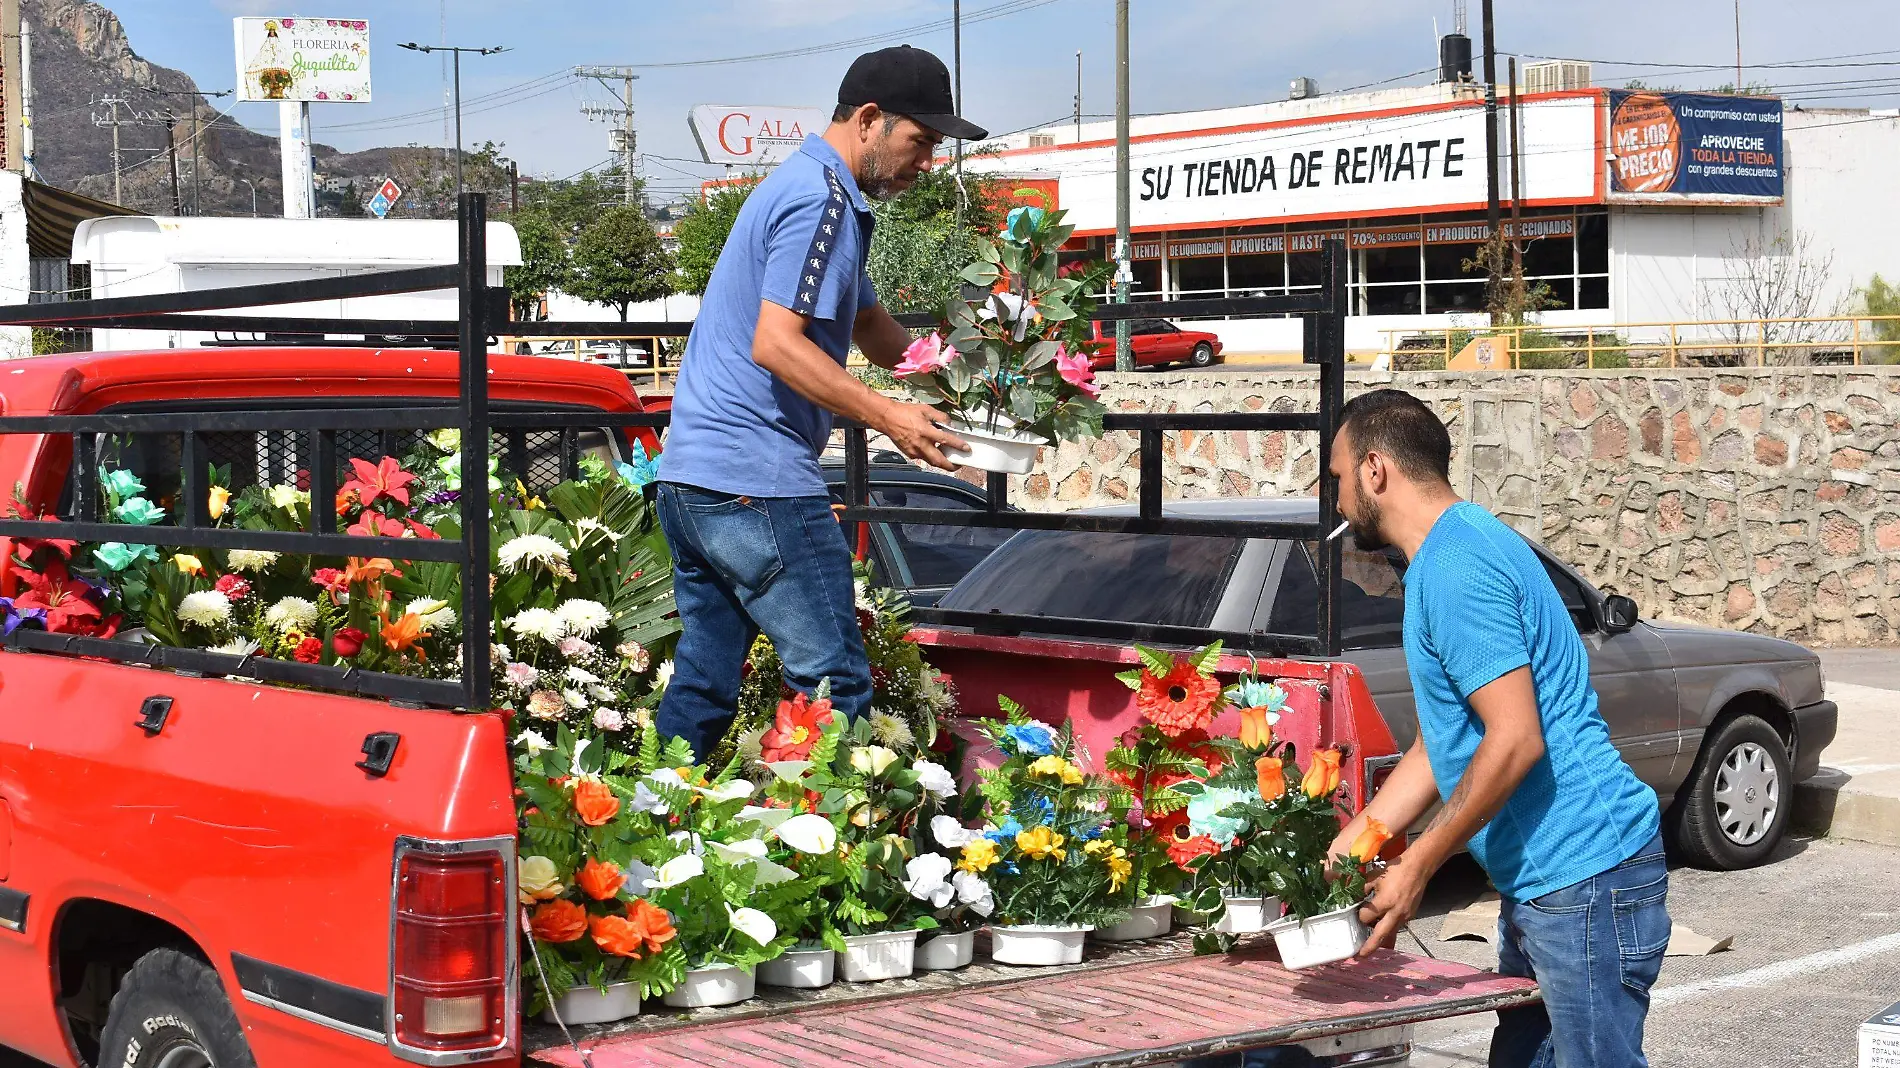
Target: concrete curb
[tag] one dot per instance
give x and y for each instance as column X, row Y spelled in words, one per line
column 1829, row 805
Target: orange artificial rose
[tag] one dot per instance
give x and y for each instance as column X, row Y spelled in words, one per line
column 558, row 921
column 594, row 803
column 652, row 922
column 1322, row 777
column 1272, row 777
column 616, row 936
column 1255, row 731
column 1370, row 841
column 602, row 882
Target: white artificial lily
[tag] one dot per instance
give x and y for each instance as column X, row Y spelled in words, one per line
column 574, row 769
column 929, row 879
column 872, row 759
column 676, row 871
column 809, row 833
column 790, row 770
column 973, row 892
column 753, row 924
column 767, row 818
column 732, row 790
column 744, row 851
column 935, row 779
column 950, row 834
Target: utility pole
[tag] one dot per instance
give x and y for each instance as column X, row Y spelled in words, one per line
column 1517, row 230
column 171, row 150
column 1124, row 266
column 1738, row 46
column 1491, row 210
column 623, row 138
column 27, row 166
column 457, row 50
column 112, row 120
column 197, row 204
column 956, row 85
column 1078, row 96
column 514, row 188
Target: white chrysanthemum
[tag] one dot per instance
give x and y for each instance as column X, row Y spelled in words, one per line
column 207, row 608
column 575, row 699
column 663, row 676
column 863, row 591
column 532, row 741
column 236, row 647
column 538, row 623
column 251, row 560
column 892, row 731
column 584, row 618
column 531, row 549
column 581, row 675
column 291, row 613
column 436, row 615
column 750, row 746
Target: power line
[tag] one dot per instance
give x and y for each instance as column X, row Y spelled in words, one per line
column 1009, row 7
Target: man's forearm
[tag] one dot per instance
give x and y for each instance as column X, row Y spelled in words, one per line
column 814, row 375
column 880, row 337
column 1408, row 792
column 1499, row 765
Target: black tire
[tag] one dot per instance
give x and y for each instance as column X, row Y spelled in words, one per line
column 1733, row 810
column 171, row 1012
column 1202, row 356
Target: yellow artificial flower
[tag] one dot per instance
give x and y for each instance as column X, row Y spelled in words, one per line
column 1119, row 869
column 1055, row 767
column 220, row 500
column 1097, row 847
column 978, row 856
column 529, row 503
column 188, row 564
column 1041, row 843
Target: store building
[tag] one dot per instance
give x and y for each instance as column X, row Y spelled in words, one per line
column 1631, row 207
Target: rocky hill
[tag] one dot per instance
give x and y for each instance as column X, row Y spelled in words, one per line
column 81, row 55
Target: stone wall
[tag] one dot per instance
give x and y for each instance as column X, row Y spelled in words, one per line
column 1765, row 500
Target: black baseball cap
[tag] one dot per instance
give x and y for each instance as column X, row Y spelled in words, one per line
column 907, row 81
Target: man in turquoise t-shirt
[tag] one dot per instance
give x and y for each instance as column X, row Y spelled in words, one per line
column 1513, row 748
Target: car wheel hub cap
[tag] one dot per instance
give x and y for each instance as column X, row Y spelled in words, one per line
column 1747, row 794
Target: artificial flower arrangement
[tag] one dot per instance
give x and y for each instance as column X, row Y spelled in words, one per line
column 1014, row 364
column 1055, row 869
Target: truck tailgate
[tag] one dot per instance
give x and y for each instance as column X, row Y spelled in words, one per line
column 1131, row 1009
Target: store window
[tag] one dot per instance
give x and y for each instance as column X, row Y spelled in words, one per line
column 1256, row 275
column 1201, row 276
column 1147, row 280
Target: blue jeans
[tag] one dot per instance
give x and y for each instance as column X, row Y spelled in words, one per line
column 1595, row 950
column 742, row 565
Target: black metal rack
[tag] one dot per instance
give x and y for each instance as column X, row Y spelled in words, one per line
column 482, row 314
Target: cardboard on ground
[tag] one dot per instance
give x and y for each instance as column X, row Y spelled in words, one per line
column 1479, row 920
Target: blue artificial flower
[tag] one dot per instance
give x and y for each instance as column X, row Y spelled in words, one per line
column 1089, row 834
column 117, row 556
column 12, row 618
column 1204, row 813
column 1031, row 739
column 642, row 472
column 1014, row 226
column 1006, row 834
column 139, row 512
column 1039, row 806
column 122, row 483
column 1257, row 694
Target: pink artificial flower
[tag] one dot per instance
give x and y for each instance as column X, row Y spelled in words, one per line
column 1076, row 371
column 925, row 355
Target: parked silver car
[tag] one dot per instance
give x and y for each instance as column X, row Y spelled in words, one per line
column 1721, row 724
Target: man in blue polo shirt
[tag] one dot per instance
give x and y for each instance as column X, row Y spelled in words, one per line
column 1512, row 747
column 744, row 507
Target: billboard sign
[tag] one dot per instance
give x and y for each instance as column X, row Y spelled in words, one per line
column 763, row 135
column 302, row 59
column 1694, row 146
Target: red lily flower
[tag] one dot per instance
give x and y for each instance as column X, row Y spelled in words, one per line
column 376, row 524
column 66, row 599
column 385, row 479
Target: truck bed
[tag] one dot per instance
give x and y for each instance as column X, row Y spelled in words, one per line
column 1128, row 1005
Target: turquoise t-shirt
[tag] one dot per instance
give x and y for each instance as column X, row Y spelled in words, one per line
column 1478, row 606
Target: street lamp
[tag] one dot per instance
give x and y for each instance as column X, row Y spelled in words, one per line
column 247, row 182
column 458, row 50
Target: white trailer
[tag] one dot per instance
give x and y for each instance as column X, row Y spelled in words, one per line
column 137, row 256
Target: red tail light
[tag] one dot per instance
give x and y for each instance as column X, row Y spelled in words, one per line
column 452, row 983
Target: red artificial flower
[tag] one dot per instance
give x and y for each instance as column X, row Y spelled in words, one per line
column 66, row 599
column 1180, row 701
column 795, row 729
column 1183, row 845
column 28, row 546
column 418, row 530
column 346, row 499
column 373, row 524
column 348, row 642
column 309, row 651
column 1200, row 745
column 331, row 580
column 385, row 479
column 233, row 587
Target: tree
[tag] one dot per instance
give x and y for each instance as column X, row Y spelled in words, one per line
column 1882, row 298
column 1775, row 286
column 618, row 260
column 351, row 206
column 929, row 233
column 703, row 230
column 546, row 261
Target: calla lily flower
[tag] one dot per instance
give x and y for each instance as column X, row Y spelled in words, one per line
column 676, row 871
column 790, row 770
column 809, row 833
column 753, row 924
column 767, row 818
column 732, row 790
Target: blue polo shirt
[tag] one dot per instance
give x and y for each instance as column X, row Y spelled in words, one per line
column 1478, row 606
column 801, row 242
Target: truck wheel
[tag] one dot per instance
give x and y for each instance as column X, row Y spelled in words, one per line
column 1202, row 356
column 1732, row 811
column 171, row 1012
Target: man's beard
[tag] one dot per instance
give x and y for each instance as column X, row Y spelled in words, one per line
column 878, row 179
column 1368, row 525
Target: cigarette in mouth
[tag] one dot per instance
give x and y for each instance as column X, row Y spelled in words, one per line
column 1344, row 526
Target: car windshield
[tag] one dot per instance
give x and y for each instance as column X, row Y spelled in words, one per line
column 1132, row 578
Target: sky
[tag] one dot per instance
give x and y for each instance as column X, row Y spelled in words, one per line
column 1019, row 65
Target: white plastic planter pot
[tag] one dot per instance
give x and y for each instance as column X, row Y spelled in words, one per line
column 705, row 988
column 874, row 958
column 1328, row 937
column 1187, row 917
column 801, row 968
column 1149, row 918
column 1038, row 946
column 1002, row 450
column 1247, row 915
column 946, row 952
column 586, row 1005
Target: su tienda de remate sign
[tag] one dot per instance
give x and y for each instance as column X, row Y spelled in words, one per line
column 1332, row 167
column 1684, row 146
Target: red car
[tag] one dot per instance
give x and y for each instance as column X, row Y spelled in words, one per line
column 1157, row 343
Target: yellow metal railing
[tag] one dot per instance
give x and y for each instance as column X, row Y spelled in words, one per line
column 1748, row 342
column 658, row 365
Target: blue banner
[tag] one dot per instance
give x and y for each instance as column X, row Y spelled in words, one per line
column 1695, row 144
